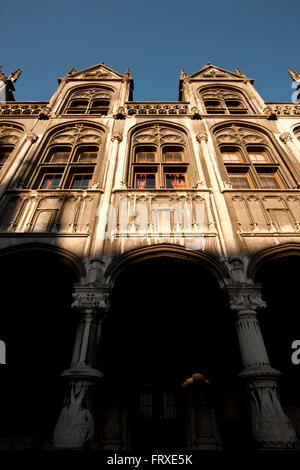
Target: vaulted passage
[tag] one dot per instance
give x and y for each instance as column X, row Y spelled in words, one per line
column 38, row 328
column 280, row 325
column 168, row 322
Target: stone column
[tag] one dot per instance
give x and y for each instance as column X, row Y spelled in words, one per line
column 75, row 426
column 271, row 427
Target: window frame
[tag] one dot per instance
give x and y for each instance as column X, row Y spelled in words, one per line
column 159, row 167
column 253, row 169
column 66, row 169
column 222, row 99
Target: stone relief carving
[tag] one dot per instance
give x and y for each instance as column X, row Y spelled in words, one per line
column 75, row 426
column 76, row 134
column 9, row 135
column 159, row 135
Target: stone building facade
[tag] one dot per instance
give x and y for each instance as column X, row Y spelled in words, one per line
column 175, row 226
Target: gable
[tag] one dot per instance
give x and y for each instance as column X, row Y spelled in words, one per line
column 210, row 71
column 96, row 72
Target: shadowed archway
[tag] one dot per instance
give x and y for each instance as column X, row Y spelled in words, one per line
column 169, row 321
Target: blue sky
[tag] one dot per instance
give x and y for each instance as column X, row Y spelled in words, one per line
column 154, row 38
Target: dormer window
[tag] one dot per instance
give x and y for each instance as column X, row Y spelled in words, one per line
column 94, row 101
column 223, row 101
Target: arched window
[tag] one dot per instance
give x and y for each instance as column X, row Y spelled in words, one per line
column 89, row 101
column 159, row 159
column 223, row 101
column 9, row 137
column 248, row 159
column 69, row 160
column 297, row 133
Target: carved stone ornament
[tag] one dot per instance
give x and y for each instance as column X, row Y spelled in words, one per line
column 31, row 137
column 159, row 135
column 75, row 426
column 77, row 134
column 245, row 297
column 91, row 299
column 202, row 137
column 271, row 427
column 285, row 137
column 9, row 135
column 117, row 137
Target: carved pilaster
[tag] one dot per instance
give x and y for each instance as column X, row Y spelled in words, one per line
column 270, row 426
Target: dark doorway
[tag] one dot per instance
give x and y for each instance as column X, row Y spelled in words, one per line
column 38, row 328
column 168, row 321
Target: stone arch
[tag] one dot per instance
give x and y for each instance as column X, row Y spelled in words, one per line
column 270, row 254
column 166, row 303
column 236, row 91
column 38, row 327
column 66, row 257
column 159, row 135
column 218, row 270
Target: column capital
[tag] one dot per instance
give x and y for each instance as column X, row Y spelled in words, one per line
column 91, row 299
column 285, row 137
column 245, row 298
column 202, row 136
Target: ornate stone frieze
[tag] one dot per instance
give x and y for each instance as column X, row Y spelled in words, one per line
column 153, row 108
column 23, row 109
column 283, row 109
column 91, row 299
column 245, row 297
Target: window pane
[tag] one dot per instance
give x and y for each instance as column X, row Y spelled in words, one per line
column 257, row 157
column 173, row 157
column 145, row 157
column 60, row 157
column 233, row 104
column 50, row 181
column 231, row 157
column 81, row 181
column 144, row 180
column 78, row 104
column 90, row 157
column 175, row 180
column 268, row 181
column 239, row 181
column 212, row 104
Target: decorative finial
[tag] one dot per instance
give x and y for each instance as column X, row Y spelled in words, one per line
column 295, row 75
column 239, row 72
column 208, row 63
column 183, row 74
column 15, row 75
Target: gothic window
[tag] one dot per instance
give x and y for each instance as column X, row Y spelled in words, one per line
column 69, row 165
column 94, row 101
column 223, row 101
column 159, row 159
column 9, row 137
column 251, row 167
column 297, row 133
